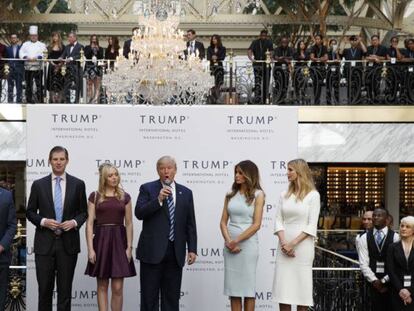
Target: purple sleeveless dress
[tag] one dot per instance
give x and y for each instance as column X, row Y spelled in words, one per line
column 110, row 242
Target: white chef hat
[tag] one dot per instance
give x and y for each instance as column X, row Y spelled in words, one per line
column 33, row 30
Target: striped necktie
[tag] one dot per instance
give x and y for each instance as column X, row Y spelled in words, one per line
column 58, row 200
column 171, row 210
column 378, row 238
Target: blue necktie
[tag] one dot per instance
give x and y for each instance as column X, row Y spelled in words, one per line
column 171, row 209
column 58, row 200
column 378, row 238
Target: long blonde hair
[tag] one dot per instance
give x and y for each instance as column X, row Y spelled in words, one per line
column 104, row 170
column 251, row 173
column 303, row 183
column 58, row 43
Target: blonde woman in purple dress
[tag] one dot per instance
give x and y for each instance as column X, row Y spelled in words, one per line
column 109, row 237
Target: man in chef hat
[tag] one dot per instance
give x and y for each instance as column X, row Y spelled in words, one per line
column 32, row 51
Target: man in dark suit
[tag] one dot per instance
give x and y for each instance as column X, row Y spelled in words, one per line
column 257, row 54
column 73, row 77
column 127, row 44
column 372, row 252
column 15, row 77
column 2, row 55
column 167, row 211
column 57, row 207
column 8, row 227
column 194, row 47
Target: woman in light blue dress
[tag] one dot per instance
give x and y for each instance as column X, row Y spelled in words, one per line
column 240, row 221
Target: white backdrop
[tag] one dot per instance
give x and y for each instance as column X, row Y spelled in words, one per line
column 207, row 142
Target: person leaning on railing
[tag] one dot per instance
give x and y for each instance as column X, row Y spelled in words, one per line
column 319, row 56
column 409, row 51
column 393, row 53
column 15, row 77
column 257, row 55
column 112, row 51
column 2, row 55
column 376, row 53
column 216, row 53
column 55, row 79
column 71, row 54
column 333, row 50
column 93, row 52
column 282, row 56
column 354, row 56
column 400, row 258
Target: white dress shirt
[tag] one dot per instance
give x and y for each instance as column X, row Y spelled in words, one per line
column 63, row 188
column 361, row 244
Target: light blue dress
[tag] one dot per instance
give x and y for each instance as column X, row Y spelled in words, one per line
column 240, row 269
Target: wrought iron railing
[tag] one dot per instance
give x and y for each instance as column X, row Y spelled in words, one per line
column 16, row 293
column 337, row 280
column 312, row 83
column 237, row 81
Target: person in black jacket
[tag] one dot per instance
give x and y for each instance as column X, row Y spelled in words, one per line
column 169, row 232
column 57, row 207
column 127, row 44
column 8, row 226
column 372, row 252
column 93, row 52
column 400, row 259
column 73, row 79
column 194, row 47
column 257, row 54
column 282, row 55
column 216, row 53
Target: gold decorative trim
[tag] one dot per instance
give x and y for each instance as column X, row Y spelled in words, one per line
column 360, row 114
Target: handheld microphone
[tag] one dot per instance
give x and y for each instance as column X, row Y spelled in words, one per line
column 167, row 184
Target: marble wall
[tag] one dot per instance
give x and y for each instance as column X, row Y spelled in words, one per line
column 12, row 141
column 343, row 142
column 367, row 142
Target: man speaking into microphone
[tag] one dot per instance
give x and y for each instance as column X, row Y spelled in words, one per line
column 169, row 227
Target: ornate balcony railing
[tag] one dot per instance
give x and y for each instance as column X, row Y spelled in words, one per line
column 311, row 83
column 338, row 282
column 16, row 293
column 236, row 82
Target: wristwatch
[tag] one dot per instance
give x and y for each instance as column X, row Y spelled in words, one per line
column 383, row 281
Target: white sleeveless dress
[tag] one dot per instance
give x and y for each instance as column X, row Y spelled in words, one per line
column 292, row 283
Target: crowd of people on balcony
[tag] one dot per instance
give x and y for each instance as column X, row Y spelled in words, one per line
column 24, row 64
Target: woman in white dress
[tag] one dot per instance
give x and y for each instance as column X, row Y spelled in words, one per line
column 240, row 221
column 296, row 225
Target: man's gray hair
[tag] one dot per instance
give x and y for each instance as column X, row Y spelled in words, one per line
column 164, row 159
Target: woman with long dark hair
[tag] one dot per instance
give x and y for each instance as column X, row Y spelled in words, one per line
column 112, row 51
column 301, row 52
column 216, row 53
column 240, row 221
column 93, row 72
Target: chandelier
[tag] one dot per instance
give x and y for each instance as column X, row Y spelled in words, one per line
column 157, row 71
